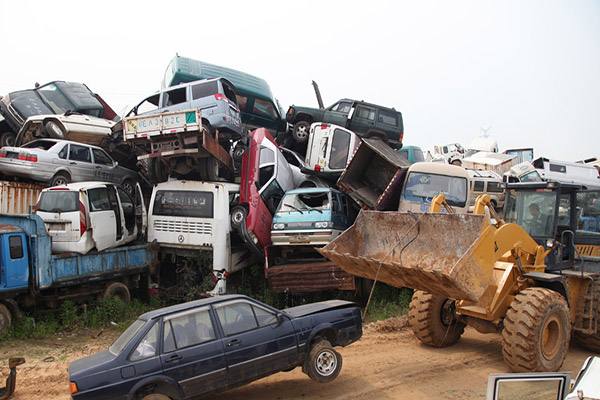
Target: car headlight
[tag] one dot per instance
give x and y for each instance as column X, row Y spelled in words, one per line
column 278, row 226
column 323, row 224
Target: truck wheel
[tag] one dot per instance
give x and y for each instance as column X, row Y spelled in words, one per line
column 300, row 131
column 118, row 290
column 238, row 216
column 60, row 179
column 537, row 331
column 7, row 139
column 433, row 320
column 323, row 364
column 158, row 171
column 5, row 318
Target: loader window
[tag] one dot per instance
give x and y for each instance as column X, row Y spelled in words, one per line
column 534, row 211
column 588, row 213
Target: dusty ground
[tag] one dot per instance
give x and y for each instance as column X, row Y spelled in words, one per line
column 388, row 363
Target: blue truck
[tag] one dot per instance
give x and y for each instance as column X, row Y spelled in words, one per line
column 214, row 344
column 30, row 274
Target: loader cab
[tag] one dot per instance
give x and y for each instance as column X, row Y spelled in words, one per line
column 566, row 217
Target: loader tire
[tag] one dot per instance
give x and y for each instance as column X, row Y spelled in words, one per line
column 590, row 342
column 537, row 330
column 590, row 318
column 433, row 321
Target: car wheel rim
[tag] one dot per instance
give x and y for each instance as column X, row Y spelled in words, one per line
column 128, row 188
column 301, row 131
column 237, row 217
column 60, row 181
column 326, row 363
column 9, row 141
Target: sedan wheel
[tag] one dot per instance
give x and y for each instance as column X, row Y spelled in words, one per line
column 7, row 139
column 60, row 179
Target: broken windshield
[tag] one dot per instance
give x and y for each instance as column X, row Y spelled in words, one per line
column 423, row 187
column 299, row 202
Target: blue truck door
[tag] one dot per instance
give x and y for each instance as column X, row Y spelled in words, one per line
column 256, row 344
column 15, row 261
column 192, row 352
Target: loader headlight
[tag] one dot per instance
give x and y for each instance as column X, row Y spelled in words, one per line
column 323, row 224
column 278, row 226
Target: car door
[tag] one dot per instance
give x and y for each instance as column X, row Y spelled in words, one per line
column 257, row 343
column 144, row 360
column 175, row 99
column 363, row 119
column 338, row 113
column 80, row 163
column 104, row 166
column 192, row 352
column 102, row 218
column 15, row 264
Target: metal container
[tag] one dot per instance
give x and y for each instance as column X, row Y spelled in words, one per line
column 17, row 197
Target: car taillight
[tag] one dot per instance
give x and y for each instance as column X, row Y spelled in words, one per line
column 82, row 219
column 219, row 96
column 317, row 168
column 3, row 154
column 73, row 387
column 27, row 157
column 324, row 126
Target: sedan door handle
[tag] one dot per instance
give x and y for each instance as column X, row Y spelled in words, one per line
column 98, row 167
column 233, row 343
column 173, row 358
column 73, row 163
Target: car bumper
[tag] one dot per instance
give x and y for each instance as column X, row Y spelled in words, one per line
column 304, row 237
column 24, row 169
column 227, row 124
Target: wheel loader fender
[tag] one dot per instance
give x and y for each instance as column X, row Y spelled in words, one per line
column 165, row 385
column 553, row 282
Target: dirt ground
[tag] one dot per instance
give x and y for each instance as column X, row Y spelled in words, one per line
column 387, row 363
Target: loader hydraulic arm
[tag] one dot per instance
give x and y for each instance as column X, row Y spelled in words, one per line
column 438, row 202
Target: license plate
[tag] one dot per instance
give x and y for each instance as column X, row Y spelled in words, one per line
column 299, row 239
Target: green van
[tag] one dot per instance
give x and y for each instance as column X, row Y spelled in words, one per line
column 258, row 107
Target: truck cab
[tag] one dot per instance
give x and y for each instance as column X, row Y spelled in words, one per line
column 187, row 217
column 427, row 179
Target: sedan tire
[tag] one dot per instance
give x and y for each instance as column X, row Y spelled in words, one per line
column 7, row 139
column 60, row 179
column 323, row 363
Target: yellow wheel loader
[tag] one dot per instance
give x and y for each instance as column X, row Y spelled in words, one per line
column 533, row 276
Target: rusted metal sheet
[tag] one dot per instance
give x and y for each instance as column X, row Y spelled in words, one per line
column 17, row 197
column 213, row 147
column 374, row 176
column 309, row 277
column 438, row 253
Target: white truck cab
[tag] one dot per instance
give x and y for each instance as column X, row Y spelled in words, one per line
column 194, row 216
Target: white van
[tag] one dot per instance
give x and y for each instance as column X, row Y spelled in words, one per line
column 568, row 172
column 86, row 215
column 330, row 148
column 190, row 216
column 486, row 182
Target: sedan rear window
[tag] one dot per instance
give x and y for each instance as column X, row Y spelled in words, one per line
column 39, row 144
column 183, row 203
column 57, row 201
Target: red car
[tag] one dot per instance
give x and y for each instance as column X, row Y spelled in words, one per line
column 265, row 177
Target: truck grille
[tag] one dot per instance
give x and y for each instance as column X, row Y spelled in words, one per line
column 204, row 228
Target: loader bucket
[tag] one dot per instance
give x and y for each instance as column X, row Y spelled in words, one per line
column 438, row 253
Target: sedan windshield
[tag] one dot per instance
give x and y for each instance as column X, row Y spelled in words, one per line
column 423, row 187
column 126, row 336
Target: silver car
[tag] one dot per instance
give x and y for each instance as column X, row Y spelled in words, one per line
column 58, row 162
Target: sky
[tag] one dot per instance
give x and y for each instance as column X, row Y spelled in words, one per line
column 527, row 70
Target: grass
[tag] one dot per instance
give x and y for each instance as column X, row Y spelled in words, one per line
column 387, row 302
column 69, row 317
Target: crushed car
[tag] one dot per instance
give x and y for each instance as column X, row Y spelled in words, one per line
column 214, row 344
column 59, row 162
column 58, row 109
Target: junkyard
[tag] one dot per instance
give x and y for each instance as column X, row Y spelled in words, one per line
column 205, row 223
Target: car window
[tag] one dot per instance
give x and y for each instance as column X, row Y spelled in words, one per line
column 266, row 155
column 119, row 344
column 236, row 318
column 58, row 201
column 343, row 106
column 265, row 174
column 478, row 186
column 148, row 105
column 187, row 330
column 229, row 91
column 494, row 187
column 79, row 153
column 40, row 144
column 366, row 113
column 147, row 346
column 340, row 147
column 264, row 317
column 99, row 200
column 100, row 157
column 172, row 97
column 15, row 245
column 64, row 152
column 588, row 213
column 388, row 118
column 124, row 197
column 57, row 100
column 241, row 102
column 291, row 158
column 204, row 89
column 264, row 108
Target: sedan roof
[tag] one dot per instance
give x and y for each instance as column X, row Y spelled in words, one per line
column 191, row 304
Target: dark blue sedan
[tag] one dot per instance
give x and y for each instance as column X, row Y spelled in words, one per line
column 215, row 344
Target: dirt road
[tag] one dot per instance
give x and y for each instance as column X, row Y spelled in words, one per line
column 388, row 363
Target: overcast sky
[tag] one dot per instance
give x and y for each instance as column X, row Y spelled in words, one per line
column 528, row 69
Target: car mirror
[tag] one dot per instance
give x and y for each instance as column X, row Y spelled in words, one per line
column 280, row 318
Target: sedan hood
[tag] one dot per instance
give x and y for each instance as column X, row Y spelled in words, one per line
column 89, row 364
column 314, row 308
